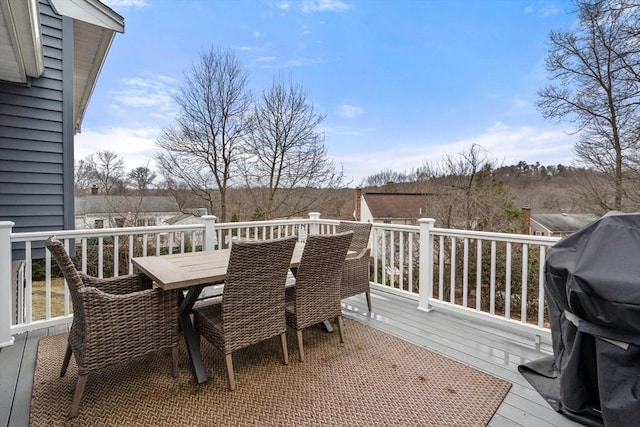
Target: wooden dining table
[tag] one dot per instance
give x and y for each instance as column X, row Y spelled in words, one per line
column 192, row 272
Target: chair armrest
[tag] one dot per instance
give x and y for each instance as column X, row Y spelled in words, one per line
column 150, row 307
column 355, row 274
column 118, row 327
column 118, row 285
column 366, row 252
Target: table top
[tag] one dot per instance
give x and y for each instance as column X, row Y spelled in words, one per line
column 192, row 268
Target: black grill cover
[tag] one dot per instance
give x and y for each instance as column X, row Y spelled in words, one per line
column 592, row 285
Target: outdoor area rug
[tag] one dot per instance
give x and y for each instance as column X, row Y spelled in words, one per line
column 372, row 379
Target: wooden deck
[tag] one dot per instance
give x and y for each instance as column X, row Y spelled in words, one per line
column 492, row 351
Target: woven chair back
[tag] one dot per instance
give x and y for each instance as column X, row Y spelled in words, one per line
column 254, row 291
column 317, row 290
column 361, row 231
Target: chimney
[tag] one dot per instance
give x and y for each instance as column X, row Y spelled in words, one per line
column 356, row 212
column 94, row 190
column 526, row 220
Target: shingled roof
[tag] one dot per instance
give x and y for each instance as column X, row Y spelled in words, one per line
column 563, row 222
column 397, row 205
column 100, row 204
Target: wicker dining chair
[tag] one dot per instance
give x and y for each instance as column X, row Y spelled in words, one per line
column 252, row 306
column 355, row 275
column 316, row 294
column 114, row 320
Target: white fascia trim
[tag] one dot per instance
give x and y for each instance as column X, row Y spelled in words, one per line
column 90, row 11
column 23, row 20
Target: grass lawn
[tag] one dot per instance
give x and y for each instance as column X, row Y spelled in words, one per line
column 57, row 299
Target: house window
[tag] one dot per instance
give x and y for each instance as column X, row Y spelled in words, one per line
column 140, row 222
column 538, row 233
column 98, row 223
column 119, row 222
column 151, row 221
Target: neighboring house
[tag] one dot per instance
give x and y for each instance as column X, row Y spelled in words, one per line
column 188, row 218
column 51, row 53
column 558, row 224
column 102, row 211
column 391, row 208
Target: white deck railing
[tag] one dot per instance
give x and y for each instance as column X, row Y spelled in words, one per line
column 492, row 277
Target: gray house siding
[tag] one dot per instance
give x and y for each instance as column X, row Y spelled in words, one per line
column 36, row 137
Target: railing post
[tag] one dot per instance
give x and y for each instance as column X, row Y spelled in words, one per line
column 5, row 283
column 426, row 264
column 210, row 237
column 314, row 217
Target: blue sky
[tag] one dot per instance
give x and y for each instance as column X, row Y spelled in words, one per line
column 402, row 82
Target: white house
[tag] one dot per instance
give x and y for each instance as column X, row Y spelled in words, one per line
column 391, row 208
column 102, row 211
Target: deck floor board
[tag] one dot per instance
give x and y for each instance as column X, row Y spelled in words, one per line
column 494, row 351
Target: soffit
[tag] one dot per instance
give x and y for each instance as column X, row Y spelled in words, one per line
column 20, row 41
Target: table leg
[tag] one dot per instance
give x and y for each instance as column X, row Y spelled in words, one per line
column 191, row 338
column 327, row 326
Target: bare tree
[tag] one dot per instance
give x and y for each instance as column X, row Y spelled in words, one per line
column 107, row 171
column 142, row 177
column 597, row 86
column 386, row 179
column 285, row 160
column 83, row 177
column 201, row 149
column 470, row 194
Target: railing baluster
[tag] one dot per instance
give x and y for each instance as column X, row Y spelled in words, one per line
column 47, row 285
column 452, row 277
column 116, row 256
column 478, row 274
column 465, row 273
column 507, row 284
column 384, row 258
column 441, row 269
column 541, row 287
column 100, row 257
column 410, row 262
column 401, row 261
column 525, row 279
column 130, row 256
column 492, row 280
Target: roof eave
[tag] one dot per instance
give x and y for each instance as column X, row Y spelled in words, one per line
column 92, row 12
column 92, row 15
column 23, row 25
column 92, row 79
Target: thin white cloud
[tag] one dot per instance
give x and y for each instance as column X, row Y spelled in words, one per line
column 265, row 59
column 528, row 9
column 310, row 6
column 134, row 146
column 504, row 143
column 283, row 5
column 153, row 91
column 349, row 111
column 549, row 10
column 125, row 4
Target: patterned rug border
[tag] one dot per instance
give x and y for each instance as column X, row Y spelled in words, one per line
column 374, row 378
